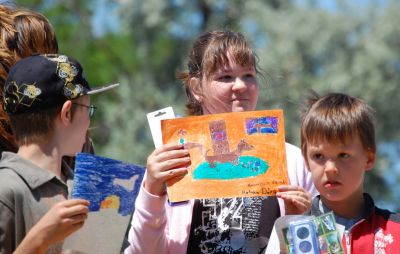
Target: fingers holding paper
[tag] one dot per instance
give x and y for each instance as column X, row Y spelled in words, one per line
column 165, row 163
column 63, row 219
column 297, row 200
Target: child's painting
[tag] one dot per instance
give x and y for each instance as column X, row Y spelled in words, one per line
column 233, row 155
column 111, row 186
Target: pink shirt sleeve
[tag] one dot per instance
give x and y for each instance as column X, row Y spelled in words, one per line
column 148, row 227
column 159, row 227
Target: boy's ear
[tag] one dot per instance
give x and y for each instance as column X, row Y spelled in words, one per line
column 371, row 157
column 65, row 114
column 195, row 87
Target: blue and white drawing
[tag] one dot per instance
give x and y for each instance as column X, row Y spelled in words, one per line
column 111, row 186
column 106, row 183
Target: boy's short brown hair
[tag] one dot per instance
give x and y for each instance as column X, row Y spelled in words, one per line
column 336, row 117
column 33, row 127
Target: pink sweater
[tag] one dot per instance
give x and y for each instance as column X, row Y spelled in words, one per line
column 158, row 227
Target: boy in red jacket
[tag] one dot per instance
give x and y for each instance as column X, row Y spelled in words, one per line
column 338, row 144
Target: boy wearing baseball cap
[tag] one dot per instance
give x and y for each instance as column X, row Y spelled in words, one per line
column 46, row 98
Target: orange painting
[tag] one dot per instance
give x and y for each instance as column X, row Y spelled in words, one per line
column 233, row 154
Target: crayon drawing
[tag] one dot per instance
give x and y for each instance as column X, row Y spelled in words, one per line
column 232, row 154
column 111, row 186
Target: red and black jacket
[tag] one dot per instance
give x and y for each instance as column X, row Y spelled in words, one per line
column 378, row 232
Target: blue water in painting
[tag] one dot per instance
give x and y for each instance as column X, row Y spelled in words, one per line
column 248, row 166
column 94, row 181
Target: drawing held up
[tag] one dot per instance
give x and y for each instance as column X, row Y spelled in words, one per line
column 232, row 154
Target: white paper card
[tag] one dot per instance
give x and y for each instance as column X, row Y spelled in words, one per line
column 154, row 118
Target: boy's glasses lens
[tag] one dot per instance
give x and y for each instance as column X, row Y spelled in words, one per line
column 91, row 108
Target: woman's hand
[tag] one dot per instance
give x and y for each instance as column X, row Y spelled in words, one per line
column 297, row 200
column 164, row 163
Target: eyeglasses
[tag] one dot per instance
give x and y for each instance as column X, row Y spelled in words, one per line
column 92, row 108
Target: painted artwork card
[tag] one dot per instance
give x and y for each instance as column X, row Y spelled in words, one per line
column 232, row 155
column 111, row 186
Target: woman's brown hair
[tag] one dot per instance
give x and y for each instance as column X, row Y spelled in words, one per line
column 23, row 32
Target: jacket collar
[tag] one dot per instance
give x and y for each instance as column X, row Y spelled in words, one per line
column 367, row 212
column 33, row 175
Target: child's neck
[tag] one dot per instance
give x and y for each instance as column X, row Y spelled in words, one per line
column 349, row 208
column 43, row 156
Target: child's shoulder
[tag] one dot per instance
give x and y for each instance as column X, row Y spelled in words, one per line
column 388, row 215
column 15, row 177
column 11, row 186
column 383, row 213
column 8, row 173
column 9, row 163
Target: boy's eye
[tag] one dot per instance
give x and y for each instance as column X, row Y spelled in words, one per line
column 344, row 155
column 225, row 78
column 249, row 76
column 317, row 156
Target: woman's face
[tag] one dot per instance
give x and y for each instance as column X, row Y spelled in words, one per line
column 232, row 88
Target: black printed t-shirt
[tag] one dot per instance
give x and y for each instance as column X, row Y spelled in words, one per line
column 232, row 225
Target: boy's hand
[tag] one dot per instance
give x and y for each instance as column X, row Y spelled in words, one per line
column 63, row 219
column 297, row 200
column 60, row 221
column 164, row 163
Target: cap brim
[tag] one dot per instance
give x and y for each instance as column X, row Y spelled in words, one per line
column 102, row 88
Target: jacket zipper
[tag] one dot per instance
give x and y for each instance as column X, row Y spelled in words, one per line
column 347, row 237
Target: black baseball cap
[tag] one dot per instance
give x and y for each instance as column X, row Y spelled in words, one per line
column 43, row 81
